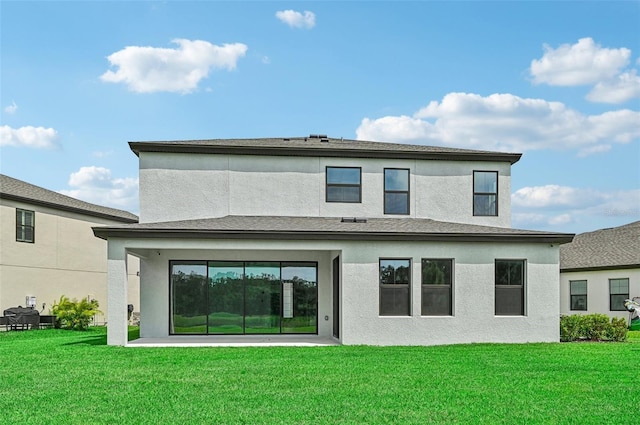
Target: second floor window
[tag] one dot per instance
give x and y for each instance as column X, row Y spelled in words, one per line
column 485, row 193
column 396, row 191
column 25, row 225
column 344, row 184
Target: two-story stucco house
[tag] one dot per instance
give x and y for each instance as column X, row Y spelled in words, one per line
column 599, row 270
column 48, row 249
column 364, row 242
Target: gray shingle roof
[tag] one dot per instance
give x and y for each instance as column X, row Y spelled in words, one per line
column 292, row 228
column 15, row 189
column 617, row 247
column 321, row 146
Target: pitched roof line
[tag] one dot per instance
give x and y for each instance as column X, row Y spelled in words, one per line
column 19, row 190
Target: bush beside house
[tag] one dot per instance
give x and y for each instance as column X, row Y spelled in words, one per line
column 592, row 327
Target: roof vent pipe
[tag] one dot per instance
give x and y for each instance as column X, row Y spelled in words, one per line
column 353, row 220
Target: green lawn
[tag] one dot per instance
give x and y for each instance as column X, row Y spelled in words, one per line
column 64, row 377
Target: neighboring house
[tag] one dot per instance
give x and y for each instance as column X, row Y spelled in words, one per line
column 371, row 243
column 599, row 270
column 48, row 248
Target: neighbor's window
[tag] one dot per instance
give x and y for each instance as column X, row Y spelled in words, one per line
column 395, row 279
column 618, row 292
column 25, row 225
column 396, row 191
column 510, row 287
column 343, row 184
column 437, row 280
column 485, row 193
column 578, row 290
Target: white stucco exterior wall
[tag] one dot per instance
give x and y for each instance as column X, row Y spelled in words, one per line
column 190, row 186
column 117, row 294
column 473, row 319
column 598, row 290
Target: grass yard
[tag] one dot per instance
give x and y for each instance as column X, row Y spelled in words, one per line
column 65, row 377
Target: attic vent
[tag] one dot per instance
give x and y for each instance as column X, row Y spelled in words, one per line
column 353, row 220
column 324, row 140
column 285, row 139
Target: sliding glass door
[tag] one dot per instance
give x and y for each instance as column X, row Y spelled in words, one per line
column 262, row 298
column 188, row 297
column 299, row 298
column 236, row 297
column 226, row 300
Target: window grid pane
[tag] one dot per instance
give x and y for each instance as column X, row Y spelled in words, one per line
column 396, row 203
column 338, row 175
column 578, row 287
column 396, row 179
column 619, row 286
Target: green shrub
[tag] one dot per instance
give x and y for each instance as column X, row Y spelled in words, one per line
column 592, row 327
column 74, row 314
column 570, row 327
column 618, row 329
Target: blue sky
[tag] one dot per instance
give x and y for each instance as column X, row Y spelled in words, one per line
column 557, row 81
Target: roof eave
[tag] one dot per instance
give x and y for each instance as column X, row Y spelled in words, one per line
column 599, row 268
column 68, row 208
column 169, row 147
column 107, row 232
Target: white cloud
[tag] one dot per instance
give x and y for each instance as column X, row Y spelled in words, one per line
column 561, row 219
column 29, row 136
column 555, row 196
column 503, row 122
column 620, row 89
column 96, row 185
column 582, row 63
column 11, row 109
column 593, row 150
column 296, row 19
column 558, row 206
column 155, row 69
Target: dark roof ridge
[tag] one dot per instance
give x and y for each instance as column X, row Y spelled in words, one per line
column 18, row 190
